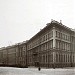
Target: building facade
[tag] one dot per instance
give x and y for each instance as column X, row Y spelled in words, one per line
column 22, row 54
column 3, row 57
column 53, row 46
column 14, row 55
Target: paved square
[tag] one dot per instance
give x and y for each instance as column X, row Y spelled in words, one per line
column 34, row 71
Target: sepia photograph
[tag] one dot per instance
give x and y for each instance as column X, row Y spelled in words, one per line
column 37, row 37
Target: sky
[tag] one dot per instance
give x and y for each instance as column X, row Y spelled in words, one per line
column 22, row 19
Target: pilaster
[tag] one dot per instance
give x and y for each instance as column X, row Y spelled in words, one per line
column 54, row 35
column 54, row 46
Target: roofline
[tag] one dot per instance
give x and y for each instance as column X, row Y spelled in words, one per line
column 50, row 24
column 14, row 45
column 47, row 26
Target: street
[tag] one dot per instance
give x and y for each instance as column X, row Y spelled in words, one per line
column 35, row 71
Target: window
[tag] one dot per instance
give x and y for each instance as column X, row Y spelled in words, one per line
column 65, row 37
column 57, row 44
column 57, row 60
column 47, row 45
column 43, row 46
column 51, row 57
column 56, row 33
column 63, row 45
column 51, row 44
column 46, row 57
column 66, row 57
column 46, row 37
column 60, row 35
column 73, row 58
column 51, row 33
column 43, row 38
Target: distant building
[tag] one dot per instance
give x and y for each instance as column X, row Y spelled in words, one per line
column 14, row 55
column 22, row 54
column 53, row 46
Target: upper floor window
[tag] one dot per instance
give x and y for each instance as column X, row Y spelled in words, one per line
column 58, row 34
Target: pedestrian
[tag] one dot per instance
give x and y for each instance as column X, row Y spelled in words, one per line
column 39, row 68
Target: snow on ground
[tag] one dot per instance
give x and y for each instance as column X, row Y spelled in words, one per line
column 34, row 71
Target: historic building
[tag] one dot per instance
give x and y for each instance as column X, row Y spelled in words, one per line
column 14, row 55
column 9, row 55
column 3, row 57
column 22, row 54
column 53, row 46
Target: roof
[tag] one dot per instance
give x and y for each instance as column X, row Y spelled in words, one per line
column 24, row 42
column 41, row 31
column 48, row 25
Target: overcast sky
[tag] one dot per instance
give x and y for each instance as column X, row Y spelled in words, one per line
column 21, row 19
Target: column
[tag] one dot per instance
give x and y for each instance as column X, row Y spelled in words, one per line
column 54, row 36
column 54, row 46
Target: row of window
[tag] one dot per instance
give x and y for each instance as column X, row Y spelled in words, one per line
column 45, row 46
column 12, row 50
column 63, row 58
column 41, row 40
column 22, row 51
column 62, row 45
column 62, row 36
column 22, row 62
column 49, row 45
column 46, row 58
column 46, row 37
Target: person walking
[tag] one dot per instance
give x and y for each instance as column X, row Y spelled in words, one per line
column 39, row 68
